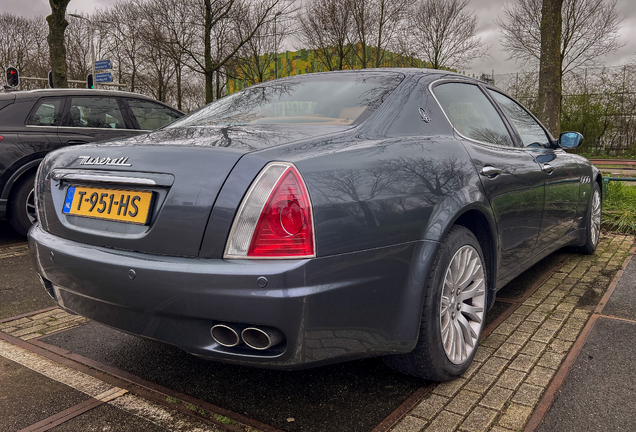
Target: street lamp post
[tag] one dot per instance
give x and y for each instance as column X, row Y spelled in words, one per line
column 90, row 30
column 276, row 44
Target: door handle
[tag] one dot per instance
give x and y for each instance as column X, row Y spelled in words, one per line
column 490, row 171
column 547, row 168
column 75, row 142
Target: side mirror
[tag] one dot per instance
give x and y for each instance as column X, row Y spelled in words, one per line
column 569, row 140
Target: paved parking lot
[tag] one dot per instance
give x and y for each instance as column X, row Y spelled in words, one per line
column 90, row 377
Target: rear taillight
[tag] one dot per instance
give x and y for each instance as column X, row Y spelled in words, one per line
column 1, row 137
column 275, row 218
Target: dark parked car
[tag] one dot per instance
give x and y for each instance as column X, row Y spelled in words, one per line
column 32, row 123
column 316, row 219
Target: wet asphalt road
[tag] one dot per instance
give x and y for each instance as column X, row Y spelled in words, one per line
column 352, row 396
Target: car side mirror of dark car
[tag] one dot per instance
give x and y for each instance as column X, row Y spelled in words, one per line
column 570, row 140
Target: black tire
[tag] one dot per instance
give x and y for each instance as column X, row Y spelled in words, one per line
column 17, row 215
column 429, row 359
column 592, row 238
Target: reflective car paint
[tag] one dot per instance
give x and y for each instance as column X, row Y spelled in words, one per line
column 384, row 194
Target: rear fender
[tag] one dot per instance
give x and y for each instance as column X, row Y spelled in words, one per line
column 20, row 173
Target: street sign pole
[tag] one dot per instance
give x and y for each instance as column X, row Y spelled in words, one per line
column 90, row 22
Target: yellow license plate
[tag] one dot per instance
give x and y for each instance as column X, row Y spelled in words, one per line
column 110, row 204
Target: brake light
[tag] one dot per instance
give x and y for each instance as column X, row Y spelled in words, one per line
column 1, row 137
column 275, row 218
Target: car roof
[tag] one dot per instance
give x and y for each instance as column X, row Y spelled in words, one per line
column 432, row 73
column 19, row 94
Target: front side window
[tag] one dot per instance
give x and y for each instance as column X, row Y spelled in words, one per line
column 46, row 113
column 338, row 99
column 531, row 133
column 150, row 115
column 96, row 112
column 472, row 114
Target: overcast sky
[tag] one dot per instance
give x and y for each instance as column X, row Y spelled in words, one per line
column 487, row 11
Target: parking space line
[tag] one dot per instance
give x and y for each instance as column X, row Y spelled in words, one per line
column 47, row 356
column 96, row 383
column 74, row 411
column 549, row 396
column 150, row 390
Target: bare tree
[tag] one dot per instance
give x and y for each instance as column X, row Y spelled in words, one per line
column 443, row 33
column 325, row 28
column 363, row 14
column 78, row 52
column 29, row 52
column 550, row 65
column 173, row 27
column 221, row 40
column 589, row 30
column 125, row 40
column 390, row 15
column 57, row 50
column 254, row 59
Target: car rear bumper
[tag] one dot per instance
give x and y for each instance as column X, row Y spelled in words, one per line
column 329, row 309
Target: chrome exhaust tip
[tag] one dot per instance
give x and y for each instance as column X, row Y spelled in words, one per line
column 225, row 335
column 261, row 339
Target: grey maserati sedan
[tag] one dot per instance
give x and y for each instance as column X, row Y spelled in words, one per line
column 316, row 219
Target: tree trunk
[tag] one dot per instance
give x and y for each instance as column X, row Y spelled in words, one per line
column 219, row 89
column 207, row 54
column 550, row 63
column 177, row 67
column 57, row 26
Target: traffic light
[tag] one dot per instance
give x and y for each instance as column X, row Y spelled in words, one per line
column 13, row 77
column 89, row 81
column 51, row 80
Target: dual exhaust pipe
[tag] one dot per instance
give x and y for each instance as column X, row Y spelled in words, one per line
column 254, row 337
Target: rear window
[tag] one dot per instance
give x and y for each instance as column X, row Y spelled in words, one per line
column 335, row 99
column 150, row 115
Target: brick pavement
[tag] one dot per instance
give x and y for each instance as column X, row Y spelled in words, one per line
column 13, row 251
column 516, row 362
column 41, row 324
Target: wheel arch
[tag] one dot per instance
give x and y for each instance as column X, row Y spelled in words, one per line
column 482, row 227
column 25, row 170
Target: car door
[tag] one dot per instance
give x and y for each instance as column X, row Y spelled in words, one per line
column 94, row 118
column 561, row 174
column 510, row 176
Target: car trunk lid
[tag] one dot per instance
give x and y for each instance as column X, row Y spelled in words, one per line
column 178, row 172
column 170, row 190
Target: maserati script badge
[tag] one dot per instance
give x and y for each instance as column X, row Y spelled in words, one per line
column 87, row 160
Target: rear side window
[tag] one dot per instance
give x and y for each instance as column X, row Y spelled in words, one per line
column 96, row 112
column 472, row 114
column 47, row 112
column 150, row 115
column 532, row 135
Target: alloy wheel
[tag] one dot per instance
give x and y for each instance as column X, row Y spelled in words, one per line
column 595, row 217
column 30, row 207
column 462, row 305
